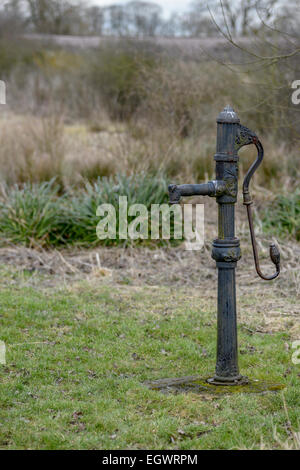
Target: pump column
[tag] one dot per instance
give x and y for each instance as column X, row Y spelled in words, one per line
column 226, row 250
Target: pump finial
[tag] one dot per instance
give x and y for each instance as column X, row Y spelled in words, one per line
column 228, row 115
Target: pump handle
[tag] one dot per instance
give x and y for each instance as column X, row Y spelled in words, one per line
column 247, row 137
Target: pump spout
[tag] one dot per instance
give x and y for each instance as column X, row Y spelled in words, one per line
column 212, row 188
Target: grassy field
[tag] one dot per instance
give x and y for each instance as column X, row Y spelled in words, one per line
column 78, row 354
column 86, row 324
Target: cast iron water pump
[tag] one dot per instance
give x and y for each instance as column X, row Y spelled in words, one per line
column 231, row 136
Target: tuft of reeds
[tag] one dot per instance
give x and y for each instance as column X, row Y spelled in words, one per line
column 41, row 215
column 140, row 188
column 32, row 214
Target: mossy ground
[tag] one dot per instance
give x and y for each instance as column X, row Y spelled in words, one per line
column 78, row 354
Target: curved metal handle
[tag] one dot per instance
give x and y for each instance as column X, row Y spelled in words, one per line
column 274, row 252
column 247, row 137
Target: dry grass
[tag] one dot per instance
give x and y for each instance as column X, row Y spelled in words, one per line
column 293, row 437
column 32, row 149
column 38, row 149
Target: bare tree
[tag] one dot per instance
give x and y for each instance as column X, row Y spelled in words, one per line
column 55, row 16
column 173, row 26
column 94, row 19
column 144, row 17
column 135, row 18
column 116, row 20
column 11, row 18
column 270, row 62
column 265, row 33
column 237, row 16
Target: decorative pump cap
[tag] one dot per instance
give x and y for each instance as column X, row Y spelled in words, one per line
column 228, row 115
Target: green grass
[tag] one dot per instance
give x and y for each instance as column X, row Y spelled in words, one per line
column 283, row 216
column 77, row 358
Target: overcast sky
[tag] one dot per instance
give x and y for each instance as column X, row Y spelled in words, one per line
column 168, row 5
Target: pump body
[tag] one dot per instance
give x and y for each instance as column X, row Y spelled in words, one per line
column 231, row 136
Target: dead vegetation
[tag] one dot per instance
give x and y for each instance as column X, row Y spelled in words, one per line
column 35, row 149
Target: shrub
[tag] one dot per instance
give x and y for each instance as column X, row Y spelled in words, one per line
column 116, row 72
column 186, row 96
column 15, row 53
